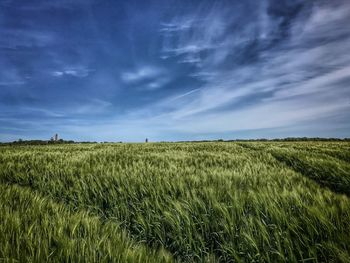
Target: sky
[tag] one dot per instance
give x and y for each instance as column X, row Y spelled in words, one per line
column 169, row 70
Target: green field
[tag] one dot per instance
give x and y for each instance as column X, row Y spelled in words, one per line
column 183, row 202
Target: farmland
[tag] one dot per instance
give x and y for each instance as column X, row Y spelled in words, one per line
column 176, row 202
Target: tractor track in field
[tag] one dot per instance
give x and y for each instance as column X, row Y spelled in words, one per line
column 334, row 178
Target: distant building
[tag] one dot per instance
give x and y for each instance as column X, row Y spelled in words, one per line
column 146, row 140
column 56, row 137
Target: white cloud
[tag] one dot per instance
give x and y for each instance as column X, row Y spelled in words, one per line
column 318, row 84
column 57, row 73
column 206, row 38
column 158, row 83
column 147, row 77
column 141, row 73
column 180, row 96
column 177, row 26
column 75, row 72
column 327, row 19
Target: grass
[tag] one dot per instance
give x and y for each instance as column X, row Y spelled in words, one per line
column 191, row 202
column 35, row 229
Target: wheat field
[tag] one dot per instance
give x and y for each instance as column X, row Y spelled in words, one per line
column 176, row 202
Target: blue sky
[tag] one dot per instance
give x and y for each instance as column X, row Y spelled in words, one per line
column 174, row 70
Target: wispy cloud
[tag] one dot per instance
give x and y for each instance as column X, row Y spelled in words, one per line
column 147, row 77
column 206, row 36
column 158, row 83
column 183, row 94
column 75, row 72
column 140, row 74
